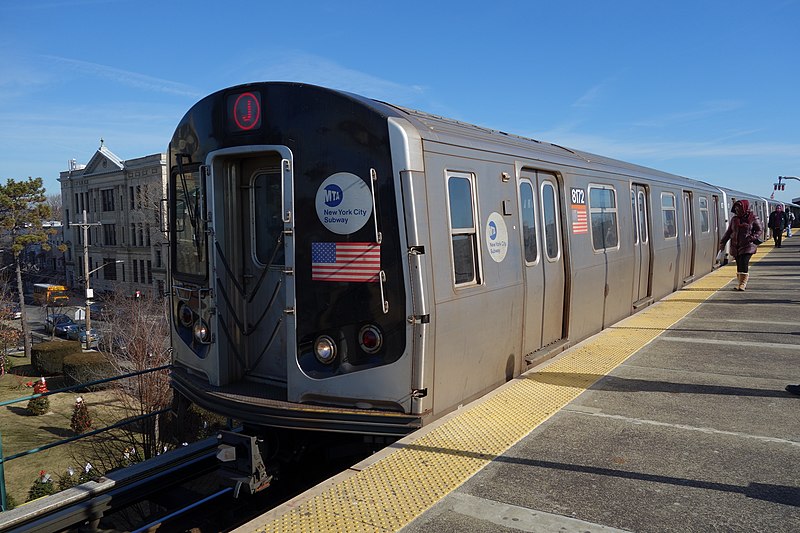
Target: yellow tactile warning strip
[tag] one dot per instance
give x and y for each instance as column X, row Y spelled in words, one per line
column 393, row 491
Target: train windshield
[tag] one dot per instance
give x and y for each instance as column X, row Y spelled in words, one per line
column 188, row 235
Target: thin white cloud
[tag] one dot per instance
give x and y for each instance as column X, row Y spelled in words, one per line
column 707, row 110
column 124, row 77
column 593, row 94
column 628, row 149
column 316, row 70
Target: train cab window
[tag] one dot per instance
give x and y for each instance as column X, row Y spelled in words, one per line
column 603, row 216
column 463, row 231
column 669, row 215
column 265, row 204
column 550, row 221
column 528, row 214
column 704, row 224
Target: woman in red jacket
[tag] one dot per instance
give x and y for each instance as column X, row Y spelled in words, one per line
column 744, row 230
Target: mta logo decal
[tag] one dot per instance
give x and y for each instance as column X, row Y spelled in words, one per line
column 333, row 195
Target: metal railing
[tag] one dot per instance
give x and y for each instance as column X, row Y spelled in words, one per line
column 3, row 460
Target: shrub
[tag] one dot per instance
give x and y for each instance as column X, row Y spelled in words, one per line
column 84, row 367
column 70, row 479
column 43, row 486
column 11, row 503
column 47, row 358
column 39, row 406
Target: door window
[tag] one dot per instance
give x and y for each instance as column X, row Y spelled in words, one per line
column 528, row 213
column 550, row 221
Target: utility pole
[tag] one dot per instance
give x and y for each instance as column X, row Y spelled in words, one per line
column 89, row 294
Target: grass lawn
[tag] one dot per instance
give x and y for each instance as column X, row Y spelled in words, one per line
column 21, row 431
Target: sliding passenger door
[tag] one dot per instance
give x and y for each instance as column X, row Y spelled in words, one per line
column 641, row 244
column 543, row 258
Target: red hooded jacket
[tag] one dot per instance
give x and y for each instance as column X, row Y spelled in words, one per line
column 742, row 231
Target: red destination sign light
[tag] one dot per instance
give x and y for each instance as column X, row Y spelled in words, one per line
column 244, row 111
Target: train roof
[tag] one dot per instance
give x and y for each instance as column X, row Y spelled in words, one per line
column 441, row 129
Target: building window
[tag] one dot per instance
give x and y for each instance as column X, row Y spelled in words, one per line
column 149, row 272
column 135, row 271
column 110, row 234
column 669, row 215
column 158, row 257
column 107, row 199
column 603, row 215
column 110, row 269
column 463, row 231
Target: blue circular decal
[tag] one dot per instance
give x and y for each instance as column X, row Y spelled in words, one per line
column 333, row 195
column 344, row 203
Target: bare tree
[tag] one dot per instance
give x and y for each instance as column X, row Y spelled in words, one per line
column 135, row 335
column 56, row 209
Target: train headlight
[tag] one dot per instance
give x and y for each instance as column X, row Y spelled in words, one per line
column 370, row 339
column 201, row 332
column 325, row 349
column 185, row 315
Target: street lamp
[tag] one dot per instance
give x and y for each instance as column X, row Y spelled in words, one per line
column 90, row 294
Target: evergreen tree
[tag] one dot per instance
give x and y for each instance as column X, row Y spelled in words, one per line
column 81, row 421
column 23, row 208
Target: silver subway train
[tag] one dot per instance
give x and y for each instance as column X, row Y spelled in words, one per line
column 342, row 264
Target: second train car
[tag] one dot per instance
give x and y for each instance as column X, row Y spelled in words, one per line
column 346, row 265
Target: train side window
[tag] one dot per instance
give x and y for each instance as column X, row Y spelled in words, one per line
column 550, row 221
column 603, row 215
column 528, row 213
column 669, row 215
column 463, row 231
column 704, row 224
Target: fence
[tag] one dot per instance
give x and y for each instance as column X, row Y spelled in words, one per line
column 3, row 460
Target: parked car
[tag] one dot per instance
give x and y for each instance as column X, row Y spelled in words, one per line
column 59, row 324
column 78, row 333
column 113, row 343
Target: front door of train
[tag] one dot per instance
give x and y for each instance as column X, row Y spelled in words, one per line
column 253, row 255
column 545, row 278
column 688, row 237
column 641, row 243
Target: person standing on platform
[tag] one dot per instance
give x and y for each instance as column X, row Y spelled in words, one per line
column 744, row 230
column 777, row 223
column 789, row 222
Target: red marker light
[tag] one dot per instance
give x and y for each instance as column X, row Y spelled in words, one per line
column 244, row 111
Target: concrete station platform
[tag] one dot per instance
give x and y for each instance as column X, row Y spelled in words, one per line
column 675, row 419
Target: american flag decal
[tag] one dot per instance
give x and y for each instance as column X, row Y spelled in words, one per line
column 579, row 221
column 345, row 261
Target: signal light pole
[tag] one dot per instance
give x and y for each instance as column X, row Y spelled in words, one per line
column 782, row 186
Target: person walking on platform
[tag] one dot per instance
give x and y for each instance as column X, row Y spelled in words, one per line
column 744, row 230
column 789, row 222
column 777, row 223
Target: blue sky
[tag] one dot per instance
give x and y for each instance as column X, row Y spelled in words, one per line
column 704, row 89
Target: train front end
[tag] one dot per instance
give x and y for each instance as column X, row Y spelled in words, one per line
column 288, row 264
